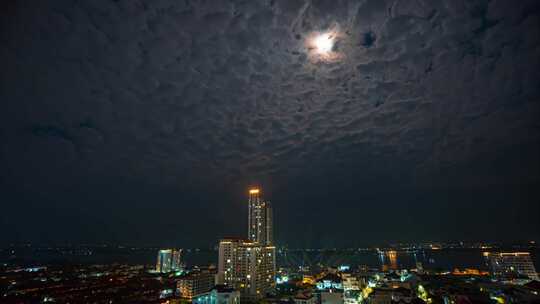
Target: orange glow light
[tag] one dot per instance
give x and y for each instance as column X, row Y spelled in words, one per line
column 253, row 191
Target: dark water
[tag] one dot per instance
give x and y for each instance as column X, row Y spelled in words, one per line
column 446, row 259
column 432, row 259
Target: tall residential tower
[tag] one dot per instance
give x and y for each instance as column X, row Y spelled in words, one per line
column 250, row 265
column 259, row 218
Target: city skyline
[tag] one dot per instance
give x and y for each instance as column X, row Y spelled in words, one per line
column 270, row 151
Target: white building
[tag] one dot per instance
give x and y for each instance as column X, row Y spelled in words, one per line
column 247, row 267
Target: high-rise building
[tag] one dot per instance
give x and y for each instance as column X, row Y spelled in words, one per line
column 259, row 218
column 176, row 260
column 169, row 260
column 507, row 264
column 163, row 264
column 246, row 266
column 250, row 265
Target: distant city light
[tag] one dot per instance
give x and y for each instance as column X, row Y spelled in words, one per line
column 281, row 280
column 344, row 267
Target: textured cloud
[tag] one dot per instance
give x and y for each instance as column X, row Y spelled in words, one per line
column 228, row 85
column 172, row 90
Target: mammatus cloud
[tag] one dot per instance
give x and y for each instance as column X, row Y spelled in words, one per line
column 165, row 89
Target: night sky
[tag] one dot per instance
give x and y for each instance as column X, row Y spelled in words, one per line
column 145, row 122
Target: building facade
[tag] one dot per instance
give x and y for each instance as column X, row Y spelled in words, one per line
column 330, row 296
column 389, row 295
column 196, row 283
column 176, row 260
column 169, row 260
column 260, row 224
column 247, row 267
column 351, row 288
column 164, row 264
column 330, row 289
column 506, row 264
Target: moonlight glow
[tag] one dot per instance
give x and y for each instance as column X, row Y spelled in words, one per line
column 324, row 43
column 323, row 46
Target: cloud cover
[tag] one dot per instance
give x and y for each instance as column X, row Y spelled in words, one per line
column 211, row 96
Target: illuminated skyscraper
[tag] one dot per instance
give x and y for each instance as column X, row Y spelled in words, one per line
column 176, row 260
column 250, row 265
column 169, row 260
column 163, row 264
column 259, row 218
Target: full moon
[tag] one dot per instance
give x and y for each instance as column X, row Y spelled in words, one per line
column 324, row 43
column 322, row 46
